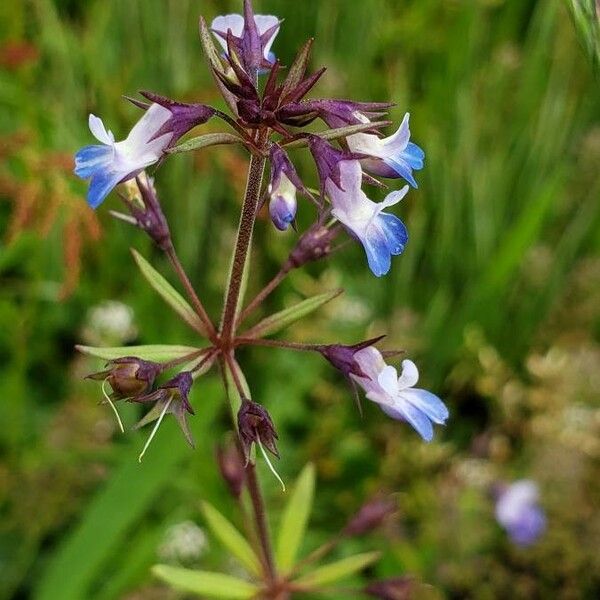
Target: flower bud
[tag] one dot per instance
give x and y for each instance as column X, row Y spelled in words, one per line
column 129, row 377
column 314, row 244
column 231, row 468
column 342, row 357
column 370, row 516
column 255, row 426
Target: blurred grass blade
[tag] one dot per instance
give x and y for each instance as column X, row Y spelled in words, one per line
column 586, row 17
column 294, row 519
column 286, row 317
column 205, row 583
column 203, row 141
column 153, row 352
column 338, row 570
column 168, row 293
column 126, row 497
column 231, row 538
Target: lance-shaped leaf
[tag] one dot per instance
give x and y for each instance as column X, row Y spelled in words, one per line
column 339, row 132
column 294, row 519
column 205, row 583
column 203, row 141
column 169, row 294
column 154, row 352
column 335, row 571
column 298, row 68
column 286, row 317
column 214, row 60
column 231, row 538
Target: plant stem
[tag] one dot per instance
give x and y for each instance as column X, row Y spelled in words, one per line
column 189, row 288
column 242, row 341
column 242, row 246
column 262, row 295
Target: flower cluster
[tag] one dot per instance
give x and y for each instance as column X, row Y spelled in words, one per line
column 268, row 118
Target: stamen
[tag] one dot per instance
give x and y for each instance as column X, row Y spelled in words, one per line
column 114, row 408
column 155, row 429
column 266, row 457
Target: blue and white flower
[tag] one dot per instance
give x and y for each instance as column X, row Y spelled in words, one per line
column 267, row 26
column 394, row 156
column 283, row 203
column 397, row 396
column 519, row 513
column 111, row 163
column 382, row 235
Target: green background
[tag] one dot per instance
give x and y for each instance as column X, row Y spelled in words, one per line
column 497, row 296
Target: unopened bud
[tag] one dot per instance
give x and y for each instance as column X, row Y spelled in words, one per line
column 256, row 427
column 313, row 245
column 129, row 377
column 231, row 468
column 370, row 516
column 342, row 357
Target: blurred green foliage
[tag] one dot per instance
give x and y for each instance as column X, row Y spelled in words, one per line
column 497, row 295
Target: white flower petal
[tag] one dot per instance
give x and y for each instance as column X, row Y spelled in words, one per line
column 410, row 375
column 99, row 130
column 226, row 22
column 397, row 142
column 388, row 380
column 263, row 24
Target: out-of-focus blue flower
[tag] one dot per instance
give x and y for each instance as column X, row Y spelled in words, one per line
column 382, row 235
column 519, row 513
column 113, row 162
column 394, row 156
column 396, row 395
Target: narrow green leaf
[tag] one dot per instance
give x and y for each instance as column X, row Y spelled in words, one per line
column 286, row 317
column 202, row 141
column 231, row 538
column 205, row 583
column 294, row 519
column 340, row 132
column 338, row 570
column 298, row 68
column 169, row 294
column 105, row 528
column 154, row 352
column 214, row 60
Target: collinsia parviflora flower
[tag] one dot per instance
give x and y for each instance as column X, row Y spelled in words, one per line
column 267, row 120
column 519, row 513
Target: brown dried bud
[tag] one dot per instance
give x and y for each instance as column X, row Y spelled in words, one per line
column 255, row 426
column 313, row 245
column 370, row 516
column 128, row 377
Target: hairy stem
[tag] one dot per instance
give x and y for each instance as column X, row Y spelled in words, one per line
column 243, row 341
column 242, row 246
column 262, row 295
column 189, row 288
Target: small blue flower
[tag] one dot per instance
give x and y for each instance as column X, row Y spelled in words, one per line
column 397, row 396
column 393, row 157
column 517, row 510
column 115, row 162
column 382, row 235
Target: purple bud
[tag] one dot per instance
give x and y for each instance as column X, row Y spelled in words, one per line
column 328, row 159
column 342, row 357
column 370, row 516
column 395, row 588
column 129, row 377
column 231, row 467
column 184, row 117
column 171, row 398
column 339, row 113
column 314, row 244
column 255, row 426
